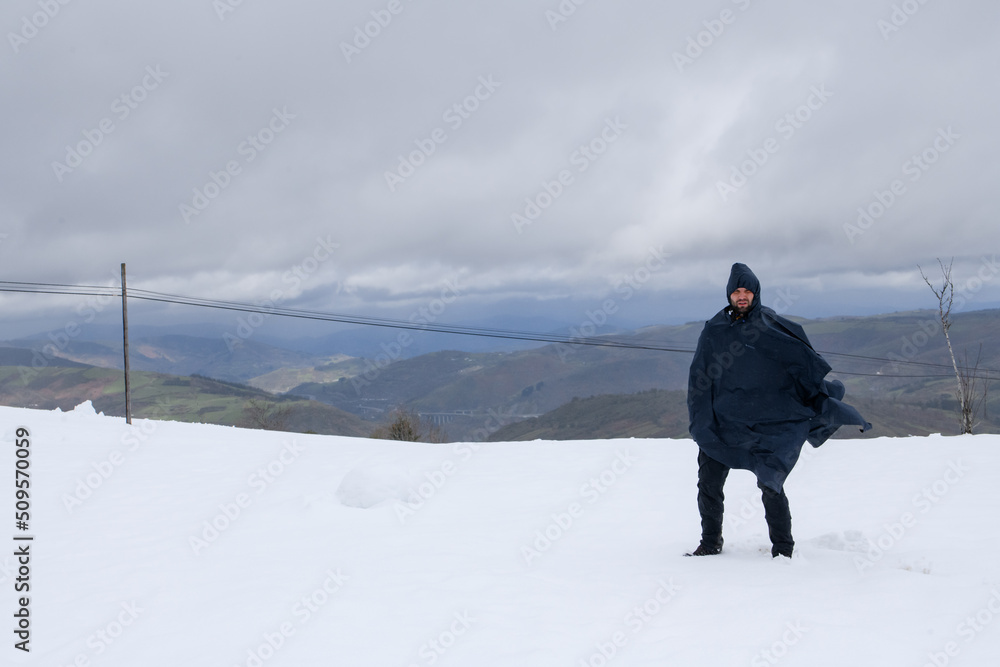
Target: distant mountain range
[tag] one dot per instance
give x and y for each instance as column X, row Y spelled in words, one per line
column 895, row 366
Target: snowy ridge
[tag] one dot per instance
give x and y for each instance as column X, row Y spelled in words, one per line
column 167, row 543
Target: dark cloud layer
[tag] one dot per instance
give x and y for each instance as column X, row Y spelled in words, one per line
column 534, row 150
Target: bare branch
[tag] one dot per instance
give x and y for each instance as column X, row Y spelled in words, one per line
column 264, row 414
column 945, row 295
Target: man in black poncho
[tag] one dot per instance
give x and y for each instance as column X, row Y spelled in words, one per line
column 756, row 393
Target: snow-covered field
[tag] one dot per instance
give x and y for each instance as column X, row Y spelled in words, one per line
column 185, row 545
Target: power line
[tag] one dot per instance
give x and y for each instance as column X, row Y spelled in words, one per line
column 508, row 334
column 116, row 290
column 403, row 324
column 72, row 290
column 891, row 361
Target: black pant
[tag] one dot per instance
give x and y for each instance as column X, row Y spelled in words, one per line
column 711, row 478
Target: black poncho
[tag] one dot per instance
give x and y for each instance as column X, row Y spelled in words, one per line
column 756, row 390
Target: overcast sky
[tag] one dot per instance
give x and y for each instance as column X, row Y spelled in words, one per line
column 527, row 156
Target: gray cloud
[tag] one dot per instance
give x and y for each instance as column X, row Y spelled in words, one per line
column 221, row 146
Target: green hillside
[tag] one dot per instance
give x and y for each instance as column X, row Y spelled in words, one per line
column 283, row 379
column 166, row 397
column 649, row 414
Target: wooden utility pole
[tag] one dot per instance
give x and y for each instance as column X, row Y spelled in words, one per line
column 128, row 388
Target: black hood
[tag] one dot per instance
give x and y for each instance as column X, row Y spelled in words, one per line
column 742, row 276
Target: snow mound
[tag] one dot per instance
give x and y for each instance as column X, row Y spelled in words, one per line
column 369, row 486
column 85, row 410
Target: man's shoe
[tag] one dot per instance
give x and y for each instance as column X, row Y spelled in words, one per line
column 704, row 550
column 781, row 551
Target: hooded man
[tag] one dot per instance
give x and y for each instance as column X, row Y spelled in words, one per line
column 756, row 393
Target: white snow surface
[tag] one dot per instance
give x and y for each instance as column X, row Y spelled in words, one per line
column 165, row 543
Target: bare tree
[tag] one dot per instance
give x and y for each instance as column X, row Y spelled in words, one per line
column 970, row 380
column 263, row 414
column 407, row 425
column 967, row 376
